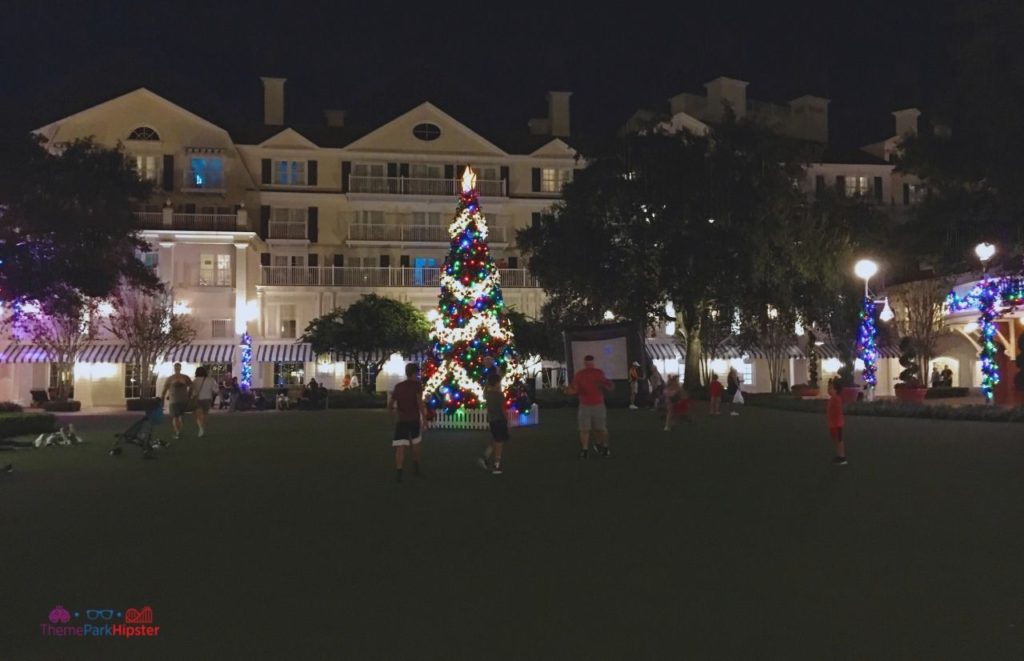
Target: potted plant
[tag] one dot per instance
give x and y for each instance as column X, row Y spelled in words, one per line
column 847, row 385
column 909, row 388
column 810, row 389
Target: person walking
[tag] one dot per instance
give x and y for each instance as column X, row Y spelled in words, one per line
column 203, row 390
column 179, row 386
column 590, row 384
column 947, row 376
column 498, row 422
column 732, row 383
column 834, row 415
column 936, row 378
column 677, row 402
column 634, row 384
column 411, row 414
column 715, row 395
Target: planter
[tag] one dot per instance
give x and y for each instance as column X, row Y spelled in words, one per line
column 850, row 393
column 806, row 391
column 63, row 406
column 911, row 393
column 144, row 403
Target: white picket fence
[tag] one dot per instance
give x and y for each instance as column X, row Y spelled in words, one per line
column 477, row 419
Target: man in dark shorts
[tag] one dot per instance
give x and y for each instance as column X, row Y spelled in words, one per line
column 180, row 388
column 407, row 402
column 497, row 421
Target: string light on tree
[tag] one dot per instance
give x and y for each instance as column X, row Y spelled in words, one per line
column 470, row 325
column 246, row 379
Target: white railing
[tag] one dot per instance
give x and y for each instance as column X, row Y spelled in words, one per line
column 216, row 222
column 356, row 276
column 477, row 419
column 286, row 229
column 150, row 219
column 420, row 186
column 413, row 233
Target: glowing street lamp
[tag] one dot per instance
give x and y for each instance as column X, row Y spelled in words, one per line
column 865, row 270
column 984, row 251
column 609, row 315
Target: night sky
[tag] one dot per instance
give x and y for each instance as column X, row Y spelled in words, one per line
column 489, row 66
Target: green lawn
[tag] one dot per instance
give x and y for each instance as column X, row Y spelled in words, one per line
column 282, row 536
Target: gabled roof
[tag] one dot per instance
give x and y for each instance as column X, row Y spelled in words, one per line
column 288, row 138
column 838, row 155
column 427, row 112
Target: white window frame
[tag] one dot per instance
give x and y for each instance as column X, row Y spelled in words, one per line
column 854, row 188
column 552, row 179
column 287, row 312
column 205, row 186
column 426, row 171
column 294, row 172
column 149, row 166
column 219, row 272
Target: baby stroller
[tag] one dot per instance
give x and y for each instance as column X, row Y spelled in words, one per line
column 141, row 433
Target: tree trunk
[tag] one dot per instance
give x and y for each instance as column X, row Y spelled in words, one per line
column 692, row 373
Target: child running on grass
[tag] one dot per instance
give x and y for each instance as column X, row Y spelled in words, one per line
column 497, row 421
column 834, row 414
column 407, row 402
column 715, row 392
column 677, row 402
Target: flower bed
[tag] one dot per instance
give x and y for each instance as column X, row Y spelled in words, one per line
column 893, row 409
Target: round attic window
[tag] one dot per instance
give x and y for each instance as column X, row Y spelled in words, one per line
column 144, row 133
column 427, row 131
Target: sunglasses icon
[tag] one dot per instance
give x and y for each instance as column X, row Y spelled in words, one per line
column 95, row 614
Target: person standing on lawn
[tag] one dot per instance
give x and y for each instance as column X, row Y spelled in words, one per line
column 411, row 414
column 590, row 384
column 715, row 395
column 677, row 403
column 634, row 383
column 497, row 421
column 834, row 415
column 203, row 390
column 180, row 387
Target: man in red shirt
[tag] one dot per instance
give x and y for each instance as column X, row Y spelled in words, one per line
column 590, row 383
column 834, row 413
column 407, row 402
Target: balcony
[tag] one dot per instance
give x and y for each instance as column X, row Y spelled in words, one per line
column 203, row 222
column 354, row 276
column 286, row 229
column 382, row 234
column 414, row 186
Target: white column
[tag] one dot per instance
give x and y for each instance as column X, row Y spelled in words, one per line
column 165, row 267
column 261, row 323
column 241, row 287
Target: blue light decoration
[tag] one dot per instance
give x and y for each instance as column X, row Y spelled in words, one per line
column 987, row 297
column 867, row 342
column 246, row 380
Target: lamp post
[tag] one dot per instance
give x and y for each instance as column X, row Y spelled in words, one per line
column 987, row 301
column 867, row 334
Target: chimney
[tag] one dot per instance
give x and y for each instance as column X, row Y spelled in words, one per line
column 727, row 91
column 906, row 121
column 558, row 113
column 273, row 101
column 335, row 117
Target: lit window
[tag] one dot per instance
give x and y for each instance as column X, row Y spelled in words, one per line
column 427, row 131
column 133, row 381
column 205, row 173
column 288, row 322
column 858, row 186
column 144, row 133
column 289, row 173
column 215, row 270
column 286, row 374
column 148, row 167
column 552, row 179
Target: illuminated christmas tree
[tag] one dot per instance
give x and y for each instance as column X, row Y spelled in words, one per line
column 472, row 335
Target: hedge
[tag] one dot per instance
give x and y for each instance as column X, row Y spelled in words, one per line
column 946, row 392
column 892, row 409
column 356, row 399
column 66, row 406
column 10, row 407
column 20, row 424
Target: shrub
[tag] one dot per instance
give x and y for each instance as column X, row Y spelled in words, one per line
column 144, row 403
column 893, row 409
column 66, row 406
column 10, row 407
column 946, row 392
column 356, row 399
column 910, row 377
column 20, row 424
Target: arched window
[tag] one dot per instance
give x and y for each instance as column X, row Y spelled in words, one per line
column 144, row 133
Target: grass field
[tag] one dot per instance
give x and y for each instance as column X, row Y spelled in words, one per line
column 283, row 536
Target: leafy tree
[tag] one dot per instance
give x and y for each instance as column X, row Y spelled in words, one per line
column 919, row 308
column 63, row 334
column 368, row 332
column 149, row 327
column 67, row 225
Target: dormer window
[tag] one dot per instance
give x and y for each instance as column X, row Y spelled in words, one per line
column 144, row 133
column 427, row 131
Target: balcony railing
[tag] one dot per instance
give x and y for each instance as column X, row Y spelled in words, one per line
column 354, row 276
column 418, row 186
column 403, row 233
column 206, row 222
column 286, row 229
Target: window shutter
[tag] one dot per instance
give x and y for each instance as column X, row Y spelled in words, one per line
column 819, row 183
column 403, row 261
column 313, row 260
column 313, row 225
column 264, row 259
column 906, row 193
column 392, row 170
column 264, row 222
column 535, row 187
column 403, row 169
column 513, row 262
column 346, row 171
column 385, row 261
column 339, row 261
column 878, row 189
column 535, row 219
column 168, row 172
column 265, row 170
column 449, row 172
column 841, row 184
column 311, row 174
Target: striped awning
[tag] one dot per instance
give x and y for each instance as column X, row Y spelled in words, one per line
column 202, row 354
column 23, row 353
column 664, row 351
column 105, row 353
column 285, row 353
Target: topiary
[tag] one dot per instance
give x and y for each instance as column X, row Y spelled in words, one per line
column 844, row 375
column 910, row 376
column 812, row 360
